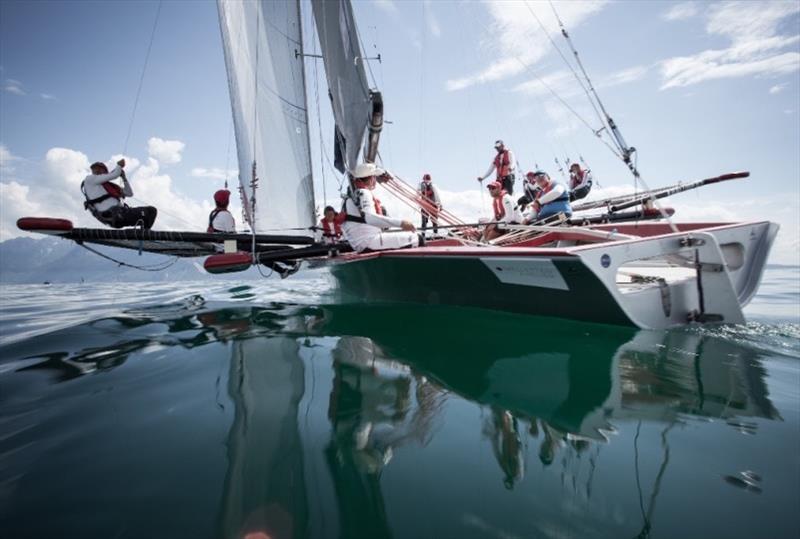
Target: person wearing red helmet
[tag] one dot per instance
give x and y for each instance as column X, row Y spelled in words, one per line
column 432, row 203
column 505, row 212
column 580, row 182
column 220, row 219
column 105, row 199
column 505, row 167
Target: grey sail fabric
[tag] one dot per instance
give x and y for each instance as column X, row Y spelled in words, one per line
column 262, row 41
column 344, row 69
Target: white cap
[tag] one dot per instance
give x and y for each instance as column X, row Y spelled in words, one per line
column 365, row 170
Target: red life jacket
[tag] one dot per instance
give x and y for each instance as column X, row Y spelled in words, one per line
column 427, row 191
column 331, row 229
column 502, row 163
column 576, row 179
column 378, row 208
column 499, row 209
column 112, row 191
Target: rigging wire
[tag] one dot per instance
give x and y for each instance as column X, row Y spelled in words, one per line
column 421, row 136
column 159, row 266
column 141, row 79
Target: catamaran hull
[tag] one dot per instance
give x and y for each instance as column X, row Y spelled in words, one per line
column 580, row 283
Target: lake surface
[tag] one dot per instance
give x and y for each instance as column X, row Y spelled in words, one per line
column 267, row 410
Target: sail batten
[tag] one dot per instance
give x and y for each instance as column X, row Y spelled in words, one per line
column 262, row 41
column 347, row 81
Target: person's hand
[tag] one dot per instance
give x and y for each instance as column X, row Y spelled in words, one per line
column 408, row 226
column 121, row 163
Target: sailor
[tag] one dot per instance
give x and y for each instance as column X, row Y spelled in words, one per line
column 505, row 212
column 552, row 200
column 365, row 223
column 220, row 219
column 105, row 198
column 530, row 191
column 505, row 166
column 331, row 226
column 430, row 194
column 580, row 182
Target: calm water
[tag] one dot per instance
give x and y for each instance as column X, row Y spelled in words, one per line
column 265, row 410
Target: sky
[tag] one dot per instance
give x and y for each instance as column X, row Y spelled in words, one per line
column 699, row 88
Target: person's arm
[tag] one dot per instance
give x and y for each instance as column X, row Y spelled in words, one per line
column 367, row 207
column 512, row 213
column 512, row 162
column 127, row 190
column 556, row 192
column 488, row 173
column 97, row 179
column 436, row 198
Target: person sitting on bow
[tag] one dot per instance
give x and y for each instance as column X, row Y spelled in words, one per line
column 505, row 166
column 105, row 199
column 580, row 182
column 365, row 223
column 505, row 212
column 432, row 203
column 331, row 226
column 220, row 219
column 553, row 198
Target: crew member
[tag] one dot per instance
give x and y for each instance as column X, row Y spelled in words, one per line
column 505, row 166
column 365, row 224
column 505, row 212
column 331, row 226
column 580, row 182
column 220, row 219
column 553, row 198
column 430, row 210
column 105, row 198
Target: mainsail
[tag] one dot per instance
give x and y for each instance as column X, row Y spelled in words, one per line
column 344, row 69
column 263, row 55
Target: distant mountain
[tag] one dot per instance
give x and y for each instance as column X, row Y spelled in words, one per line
column 31, row 261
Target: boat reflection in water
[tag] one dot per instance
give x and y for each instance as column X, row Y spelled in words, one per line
column 560, row 398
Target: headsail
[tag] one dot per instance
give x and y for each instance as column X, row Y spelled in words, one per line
column 262, row 40
column 344, row 69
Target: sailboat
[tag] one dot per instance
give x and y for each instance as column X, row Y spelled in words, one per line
column 630, row 265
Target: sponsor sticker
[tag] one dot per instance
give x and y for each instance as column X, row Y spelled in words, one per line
column 526, row 272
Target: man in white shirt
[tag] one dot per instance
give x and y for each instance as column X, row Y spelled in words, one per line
column 105, row 199
column 505, row 166
column 220, row 219
column 365, row 225
column 505, row 212
column 430, row 194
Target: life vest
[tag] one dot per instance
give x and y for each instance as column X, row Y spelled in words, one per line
column 576, row 179
column 563, row 198
column 211, row 217
column 426, row 189
column 502, row 163
column 112, row 191
column 331, row 229
column 499, row 208
column 357, row 201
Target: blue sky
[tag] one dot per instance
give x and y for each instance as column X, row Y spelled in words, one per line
column 699, row 88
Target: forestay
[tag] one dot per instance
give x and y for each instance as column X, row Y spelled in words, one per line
column 344, row 69
column 263, row 42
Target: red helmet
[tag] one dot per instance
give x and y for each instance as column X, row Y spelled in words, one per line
column 222, row 197
column 494, row 185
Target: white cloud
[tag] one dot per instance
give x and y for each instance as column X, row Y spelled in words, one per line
column 52, row 189
column 386, row 5
column 512, row 26
column 757, row 47
column 48, row 97
column 778, row 88
column 430, row 19
column 165, row 151
column 624, row 76
column 215, row 173
column 13, row 86
column 679, row 12
column 6, row 160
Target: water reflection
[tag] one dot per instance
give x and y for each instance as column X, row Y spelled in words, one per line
column 545, row 410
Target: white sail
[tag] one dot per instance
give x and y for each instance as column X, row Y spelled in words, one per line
column 344, row 69
column 262, row 40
